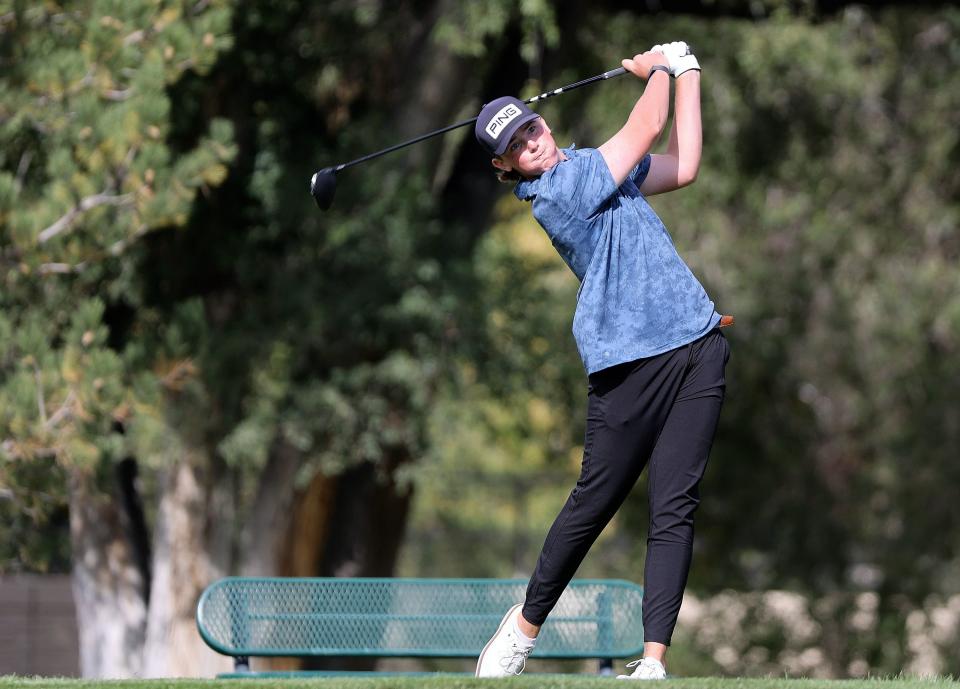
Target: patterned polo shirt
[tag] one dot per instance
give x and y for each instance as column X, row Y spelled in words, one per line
column 637, row 297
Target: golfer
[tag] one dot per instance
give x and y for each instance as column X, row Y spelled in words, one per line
column 646, row 330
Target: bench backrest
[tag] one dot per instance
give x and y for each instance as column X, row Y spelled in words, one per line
column 410, row 617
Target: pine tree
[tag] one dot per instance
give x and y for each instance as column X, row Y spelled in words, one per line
column 87, row 172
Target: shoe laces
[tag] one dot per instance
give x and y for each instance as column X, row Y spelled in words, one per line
column 515, row 662
column 645, row 667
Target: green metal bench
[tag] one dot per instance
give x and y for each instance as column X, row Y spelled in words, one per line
column 413, row 618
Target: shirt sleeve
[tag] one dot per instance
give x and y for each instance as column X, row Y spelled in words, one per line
column 580, row 186
column 639, row 173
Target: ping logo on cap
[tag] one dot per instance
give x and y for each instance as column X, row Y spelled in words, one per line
column 504, row 116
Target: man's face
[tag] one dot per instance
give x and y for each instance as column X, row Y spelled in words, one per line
column 531, row 151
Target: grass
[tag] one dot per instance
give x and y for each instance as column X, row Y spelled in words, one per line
column 532, row 681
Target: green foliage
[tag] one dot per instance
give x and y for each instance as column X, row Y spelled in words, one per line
column 825, row 220
column 822, row 223
column 469, row 27
column 506, row 432
column 33, row 517
column 87, row 172
column 169, row 290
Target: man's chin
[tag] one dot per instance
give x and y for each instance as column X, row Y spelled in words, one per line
column 548, row 164
column 543, row 165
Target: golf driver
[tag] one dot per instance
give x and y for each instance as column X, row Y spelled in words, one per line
column 324, row 182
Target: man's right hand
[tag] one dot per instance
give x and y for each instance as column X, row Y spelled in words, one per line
column 642, row 63
column 679, row 57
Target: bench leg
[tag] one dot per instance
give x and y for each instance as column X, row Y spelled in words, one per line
column 606, row 666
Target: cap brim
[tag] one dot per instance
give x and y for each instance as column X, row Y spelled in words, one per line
column 511, row 130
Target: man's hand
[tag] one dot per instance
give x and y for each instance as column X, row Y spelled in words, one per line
column 679, row 57
column 642, row 63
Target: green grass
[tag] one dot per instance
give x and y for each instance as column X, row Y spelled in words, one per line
column 532, row 681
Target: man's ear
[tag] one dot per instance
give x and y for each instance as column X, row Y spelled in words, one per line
column 500, row 164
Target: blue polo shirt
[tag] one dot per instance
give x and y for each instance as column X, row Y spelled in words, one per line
column 637, row 297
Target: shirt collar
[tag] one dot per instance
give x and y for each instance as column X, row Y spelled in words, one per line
column 526, row 189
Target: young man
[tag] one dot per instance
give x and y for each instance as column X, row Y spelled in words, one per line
column 646, row 330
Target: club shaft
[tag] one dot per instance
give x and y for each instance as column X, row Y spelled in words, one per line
column 429, row 135
column 396, row 147
column 583, row 82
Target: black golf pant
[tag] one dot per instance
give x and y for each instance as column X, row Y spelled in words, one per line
column 660, row 411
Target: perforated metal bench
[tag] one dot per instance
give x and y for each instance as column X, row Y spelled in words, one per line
column 414, row 618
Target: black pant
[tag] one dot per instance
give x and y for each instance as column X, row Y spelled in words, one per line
column 662, row 410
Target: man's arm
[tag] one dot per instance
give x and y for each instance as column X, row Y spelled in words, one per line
column 627, row 147
column 679, row 166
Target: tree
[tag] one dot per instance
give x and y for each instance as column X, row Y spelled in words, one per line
column 217, row 379
column 87, row 173
column 167, row 347
column 823, row 218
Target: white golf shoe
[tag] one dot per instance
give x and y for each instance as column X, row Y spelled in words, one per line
column 506, row 653
column 646, row 668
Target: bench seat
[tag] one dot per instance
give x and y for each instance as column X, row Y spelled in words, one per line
column 414, row 618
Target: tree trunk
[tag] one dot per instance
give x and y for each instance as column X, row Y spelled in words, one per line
column 270, row 517
column 433, row 72
column 307, row 534
column 361, row 528
column 183, row 567
column 349, row 525
column 371, row 513
column 108, row 584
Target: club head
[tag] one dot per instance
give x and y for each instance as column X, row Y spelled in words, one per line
column 322, row 186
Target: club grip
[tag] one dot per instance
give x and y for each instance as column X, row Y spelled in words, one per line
column 615, row 72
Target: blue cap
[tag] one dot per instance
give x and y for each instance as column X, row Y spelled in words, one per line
column 499, row 120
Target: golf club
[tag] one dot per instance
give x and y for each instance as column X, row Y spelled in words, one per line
column 324, row 182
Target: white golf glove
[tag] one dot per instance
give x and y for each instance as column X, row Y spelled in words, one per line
column 679, row 57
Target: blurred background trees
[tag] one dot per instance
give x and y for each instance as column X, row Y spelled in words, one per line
column 202, row 375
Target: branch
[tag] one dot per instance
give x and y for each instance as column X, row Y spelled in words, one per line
column 15, row 450
column 65, row 410
column 115, row 249
column 86, row 204
column 22, row 168
column 86, row 81
column 40, row 403
column 178, row 375
column 128, row 159
column 60, row 268
column 135, row 37
column 114, row 95
column 121, row 245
